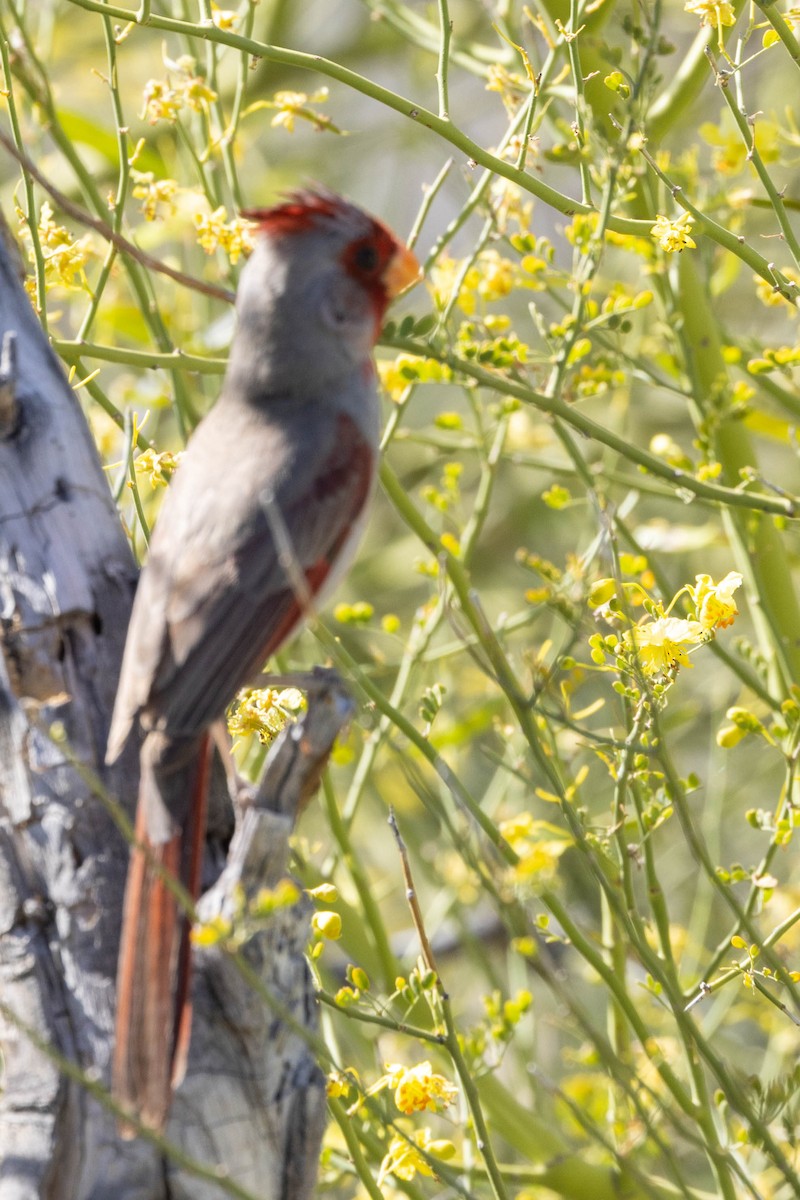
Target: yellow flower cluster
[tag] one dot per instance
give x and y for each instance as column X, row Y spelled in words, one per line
column 224, row 18
column 769, row 295
column 157, row 195
column 711, row 12
column 211, row 933
column 340, row 1083
column 360, row 613
column 404, row 1160
column 157, row 466
column 490, row 277
column 164, row 98
column 291, row 105
column 161, row 101
column 510, row 86
column 400, row 373
column 64, row 257
column 674, row 235
column 538, row 844
column 234, row 237
column 264, row 712
column 660, row 642
column 416, row 1089
column 714, row 602
column 730, row 152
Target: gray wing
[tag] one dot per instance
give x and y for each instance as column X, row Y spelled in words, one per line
column 214, row 601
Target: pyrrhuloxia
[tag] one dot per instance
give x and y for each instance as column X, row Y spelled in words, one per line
column 288, row 453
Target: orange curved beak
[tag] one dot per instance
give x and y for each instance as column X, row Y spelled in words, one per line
column 402, row 272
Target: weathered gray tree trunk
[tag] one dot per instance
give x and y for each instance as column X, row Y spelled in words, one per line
column 253, row 1101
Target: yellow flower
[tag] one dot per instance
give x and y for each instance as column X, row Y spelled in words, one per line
column 711, row 12
column 444, row 277
column 196, row 92
column 661, row 644
column 325, row 893
column 291, row 105
column 64, row 259
column 404, row 1161
column 158, row 467
column 161, row 102
column 509, row 202
column 398, row 374
column 235, row 237
column 714, row 602
column 327, row 924
column 164, row 98
column 497, row 275
column 517, row 828
column 264, row 711
column 269, row 900
column 730, row 152
column 156, row 193
column 341, row 1083
column 65, row 264
column 416, row 1089
column 223, row 18
column 508, row 84
column 538, row 844
column 674, row 235
column 769, row 295
column 392, row 378
column 211, row 933
column 667, row 448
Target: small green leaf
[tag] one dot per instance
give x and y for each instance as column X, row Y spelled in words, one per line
column 425, row 324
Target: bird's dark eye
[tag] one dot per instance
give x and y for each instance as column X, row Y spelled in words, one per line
column 366, row 258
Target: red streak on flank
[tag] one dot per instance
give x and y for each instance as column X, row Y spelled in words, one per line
column 348, row 469
column 293, row 608
column 347, row 472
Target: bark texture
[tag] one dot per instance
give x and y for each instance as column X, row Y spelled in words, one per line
column 253, row 1099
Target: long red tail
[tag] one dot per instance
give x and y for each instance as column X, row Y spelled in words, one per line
column 154, row 969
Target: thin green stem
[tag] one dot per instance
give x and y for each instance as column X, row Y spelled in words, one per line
column 382, row 1022
column 430, row 192
column 143, row 360
column 371, row 910
column 731, row 242
column 745, row 924
column 746, row 126
column 417, row 113
column 571, row 38
column 443, row 65
column 30, row 199
column 345, row 1122
column 572, row 416
column 451, row 781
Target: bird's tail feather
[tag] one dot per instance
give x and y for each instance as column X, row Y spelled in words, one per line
column 154, row 971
